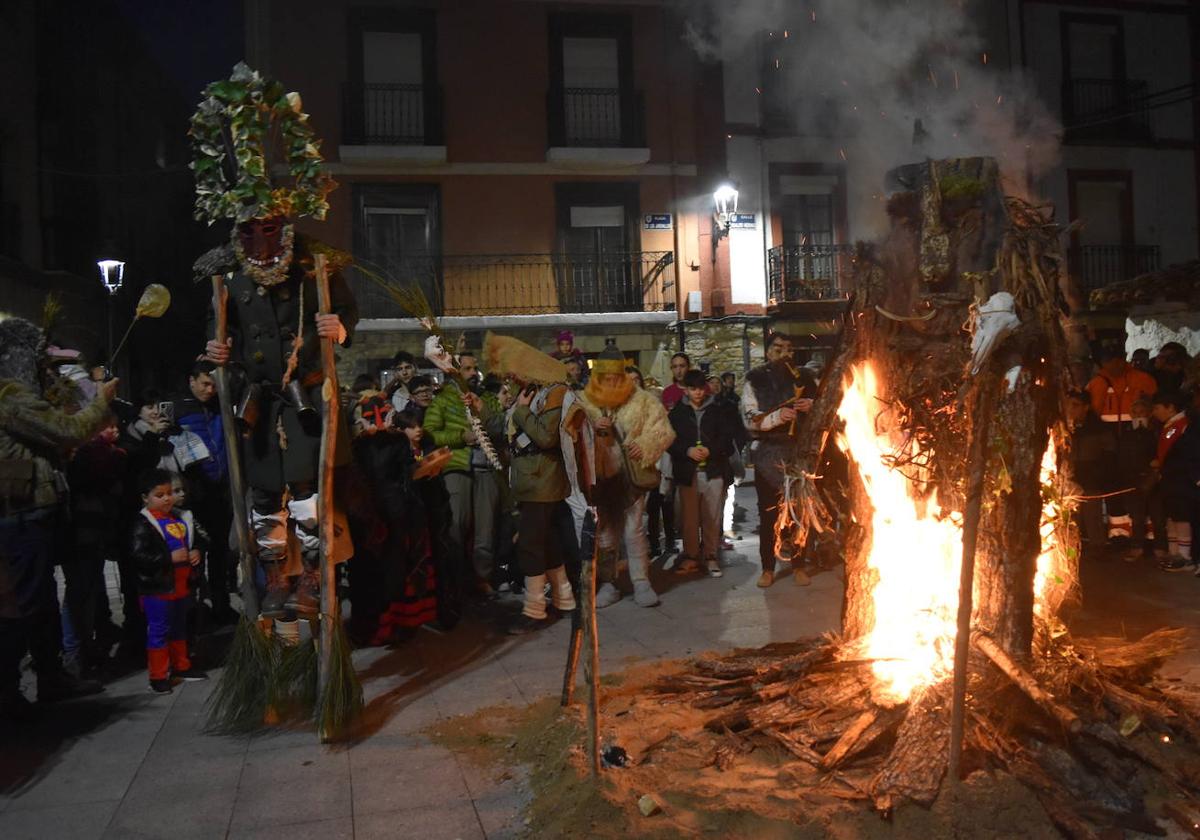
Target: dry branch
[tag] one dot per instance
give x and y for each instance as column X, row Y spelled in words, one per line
column 1024, row 681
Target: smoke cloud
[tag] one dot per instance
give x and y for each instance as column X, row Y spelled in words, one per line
column 880, row 83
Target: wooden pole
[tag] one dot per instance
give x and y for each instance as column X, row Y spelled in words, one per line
column 233, row 456
column 330, row 611
column 568, row 687
column 976, row 467
column 591, row 643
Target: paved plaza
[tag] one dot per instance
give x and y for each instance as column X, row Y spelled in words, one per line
column 128, row 764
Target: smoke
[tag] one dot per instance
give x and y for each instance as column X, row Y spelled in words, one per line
column 880, row 83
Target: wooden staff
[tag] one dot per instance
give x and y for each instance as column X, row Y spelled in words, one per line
column 976, row 466
column 568, row 687
column 330, row 608
column 237, row 487
column 591, row 643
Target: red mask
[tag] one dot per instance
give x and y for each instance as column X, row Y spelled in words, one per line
column 262, row 239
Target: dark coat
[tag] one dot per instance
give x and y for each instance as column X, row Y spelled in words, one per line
column 149, row 556
column 773, row 384
column 1180, row 471
column 263, row 323
column 1093, row 453
column 721, row 430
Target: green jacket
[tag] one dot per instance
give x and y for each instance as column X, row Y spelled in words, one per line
column 33, row 434
column 540, row 476
column 446, row 423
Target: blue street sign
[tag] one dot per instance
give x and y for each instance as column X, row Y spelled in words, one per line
column 743, row 221
column 656, row 221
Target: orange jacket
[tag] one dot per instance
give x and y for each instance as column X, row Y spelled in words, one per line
column 1113, row 397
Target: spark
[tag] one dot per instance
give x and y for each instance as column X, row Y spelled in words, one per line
column 985, row 58
column 814, row 15
column 785, row 33
column 842, row 152
column 1000, row 99
column 777, row 64
column 758, row 90
column 956, row 80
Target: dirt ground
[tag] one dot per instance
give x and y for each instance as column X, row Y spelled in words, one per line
column 764, row 794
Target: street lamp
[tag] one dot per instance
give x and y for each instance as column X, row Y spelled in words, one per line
column 112, row 275
column 725, row 200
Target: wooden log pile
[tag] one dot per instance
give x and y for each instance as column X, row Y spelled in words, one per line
column 1087, row 728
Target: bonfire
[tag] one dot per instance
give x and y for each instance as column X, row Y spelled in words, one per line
column 954, row 520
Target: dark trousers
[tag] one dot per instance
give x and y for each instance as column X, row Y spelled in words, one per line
column 547, row 537
column 660, row 509
column 83, row 571
column 29, row 617
column 216, row 515
column 769, row 498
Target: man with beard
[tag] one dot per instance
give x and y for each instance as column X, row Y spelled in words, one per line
column 772, row 398
column 631, row 434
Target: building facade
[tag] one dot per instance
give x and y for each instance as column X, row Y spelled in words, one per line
column 1118, row 75
column 532, row 166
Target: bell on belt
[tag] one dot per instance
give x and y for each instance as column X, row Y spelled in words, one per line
column 298, row 397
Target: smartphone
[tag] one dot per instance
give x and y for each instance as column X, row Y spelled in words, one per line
column 166, row 410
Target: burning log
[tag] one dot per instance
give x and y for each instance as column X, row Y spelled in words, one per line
column 1028, row 685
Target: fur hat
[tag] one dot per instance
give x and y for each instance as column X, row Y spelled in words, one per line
column 21, row 346
column 507, row 356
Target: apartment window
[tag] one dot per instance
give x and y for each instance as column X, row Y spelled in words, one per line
column 1104, row 248
column 598, row 245
column 591, row 101
column 397, row 233
column 1099, row 102
column 392, row 97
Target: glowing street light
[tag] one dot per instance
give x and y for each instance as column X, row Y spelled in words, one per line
column 725, row 199
column 112, row 274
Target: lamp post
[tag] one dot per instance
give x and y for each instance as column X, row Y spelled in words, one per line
column 112, row 275
column 725, row 199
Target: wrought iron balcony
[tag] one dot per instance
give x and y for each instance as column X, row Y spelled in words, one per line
column 808, row 272
column 523, row 284
column 1106, row 109
column 596, row 117
column 391, row 115
column 1096, row 266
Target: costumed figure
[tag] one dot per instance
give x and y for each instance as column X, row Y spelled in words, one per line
column 267, row 331
column 773, row 396
column 629, row 433
column 546, row 540
column 274, row 329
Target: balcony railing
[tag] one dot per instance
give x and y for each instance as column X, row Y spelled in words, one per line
column 1106, row 109
column 596, row 117
column 524, row 284
column 808, row 272
column 392, row 115
column 1096, row 266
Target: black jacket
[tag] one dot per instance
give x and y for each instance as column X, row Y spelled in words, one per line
column 149, row 556
column 721, row 430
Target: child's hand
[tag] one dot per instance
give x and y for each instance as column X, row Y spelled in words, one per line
column 180, row 556
column 194, row 557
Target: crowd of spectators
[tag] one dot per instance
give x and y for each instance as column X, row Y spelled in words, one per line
column 1136, row 454
column 138, row 497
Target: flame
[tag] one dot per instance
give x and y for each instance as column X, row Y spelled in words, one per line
column 915, row 552
column 1048, row 560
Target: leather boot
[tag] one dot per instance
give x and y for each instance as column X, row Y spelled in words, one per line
column 305, row 600
column 273, row 603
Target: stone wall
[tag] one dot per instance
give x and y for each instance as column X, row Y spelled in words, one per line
column 1151, row 328
column 724, row 345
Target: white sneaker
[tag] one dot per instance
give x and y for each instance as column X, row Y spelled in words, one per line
column 714, row 567
column 607, row 595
